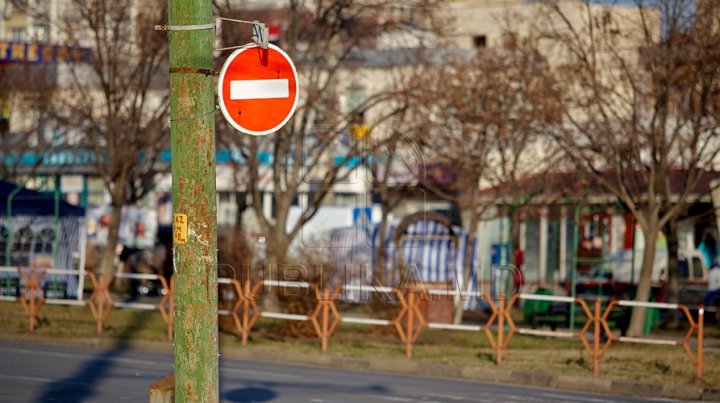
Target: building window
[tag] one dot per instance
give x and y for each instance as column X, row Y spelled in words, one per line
column 346, row 199
column 480, row 41
column 355, row 98
column 17, row 34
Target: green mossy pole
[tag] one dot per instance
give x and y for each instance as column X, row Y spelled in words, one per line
column 192, row 103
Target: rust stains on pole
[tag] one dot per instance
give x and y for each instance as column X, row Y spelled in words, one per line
column 192, row 105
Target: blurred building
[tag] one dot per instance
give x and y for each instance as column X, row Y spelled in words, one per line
column 381, row 61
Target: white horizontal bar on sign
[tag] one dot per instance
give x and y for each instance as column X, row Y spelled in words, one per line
column 365, row 321
column 8, row 269
column 649, row 341
column 555, row 298
column 223, row 312
column 135, row 305
column 280, row 315
column 450, row 326
column 224, row 280
column 368, row 288
column 137, row 276
column 660, row 305
column 65, row 302
column 7, row 298
column 548, row 333
column 259, row 89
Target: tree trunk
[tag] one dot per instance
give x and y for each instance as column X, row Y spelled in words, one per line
column 279, row 243
column 379, row 269
column 241, row 203
column 515, row 246
column 637, row 320
column 277, row 248
column 107, row 265
column 672, row 274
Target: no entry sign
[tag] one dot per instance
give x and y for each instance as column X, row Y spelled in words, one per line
column 258, row 89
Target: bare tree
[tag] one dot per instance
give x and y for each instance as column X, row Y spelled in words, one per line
column 312, row 153
column 483, row 130
column 698, row 99
column 118, row 104
column 27, row 132
column 394, row 171
column 638, row 103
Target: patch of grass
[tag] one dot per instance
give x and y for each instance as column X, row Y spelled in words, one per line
column 59, row 321
column 649, row 363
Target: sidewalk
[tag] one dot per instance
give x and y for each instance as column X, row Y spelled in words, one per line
column 419, row 368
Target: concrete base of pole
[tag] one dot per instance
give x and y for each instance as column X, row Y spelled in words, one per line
column 163, row 391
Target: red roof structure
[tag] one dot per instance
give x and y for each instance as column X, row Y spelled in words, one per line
column 555, row 186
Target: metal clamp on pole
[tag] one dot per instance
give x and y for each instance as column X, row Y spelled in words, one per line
column 166, row 27
column 260, row 33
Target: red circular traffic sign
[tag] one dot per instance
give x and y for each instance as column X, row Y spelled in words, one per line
column 258, row 89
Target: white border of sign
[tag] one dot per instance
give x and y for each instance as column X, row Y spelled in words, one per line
column 222, row 102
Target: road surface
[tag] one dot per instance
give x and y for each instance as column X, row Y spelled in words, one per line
column 35, row 373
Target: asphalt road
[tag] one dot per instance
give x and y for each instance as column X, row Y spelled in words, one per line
column 44, row 373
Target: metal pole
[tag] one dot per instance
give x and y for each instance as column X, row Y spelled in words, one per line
column 101, row 298
column 326, row 315
column 192, row 105
column 56, row 236
column 32, row 301
column 555, row 253
column 701, row 325
column 246, row 313
column 83, row 246
column 574, row 265
column 596, row 340
column 10, row 235
column 601, row 285
column 501, row 328
column 409, row 339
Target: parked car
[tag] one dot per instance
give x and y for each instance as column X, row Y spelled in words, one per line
column 618, row 275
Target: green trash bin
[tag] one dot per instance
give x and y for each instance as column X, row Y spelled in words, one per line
column 652, row 317
column 534, row 307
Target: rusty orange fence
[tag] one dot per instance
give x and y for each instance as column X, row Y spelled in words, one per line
column 409, row 322
column 598, row 320
column 695, row 359
column 101, row 302
column 29, row 292
column 325, row 318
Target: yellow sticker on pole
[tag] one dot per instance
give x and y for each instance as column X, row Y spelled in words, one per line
column 180, row 228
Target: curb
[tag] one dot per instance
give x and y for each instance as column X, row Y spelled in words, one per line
column 480, row 374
